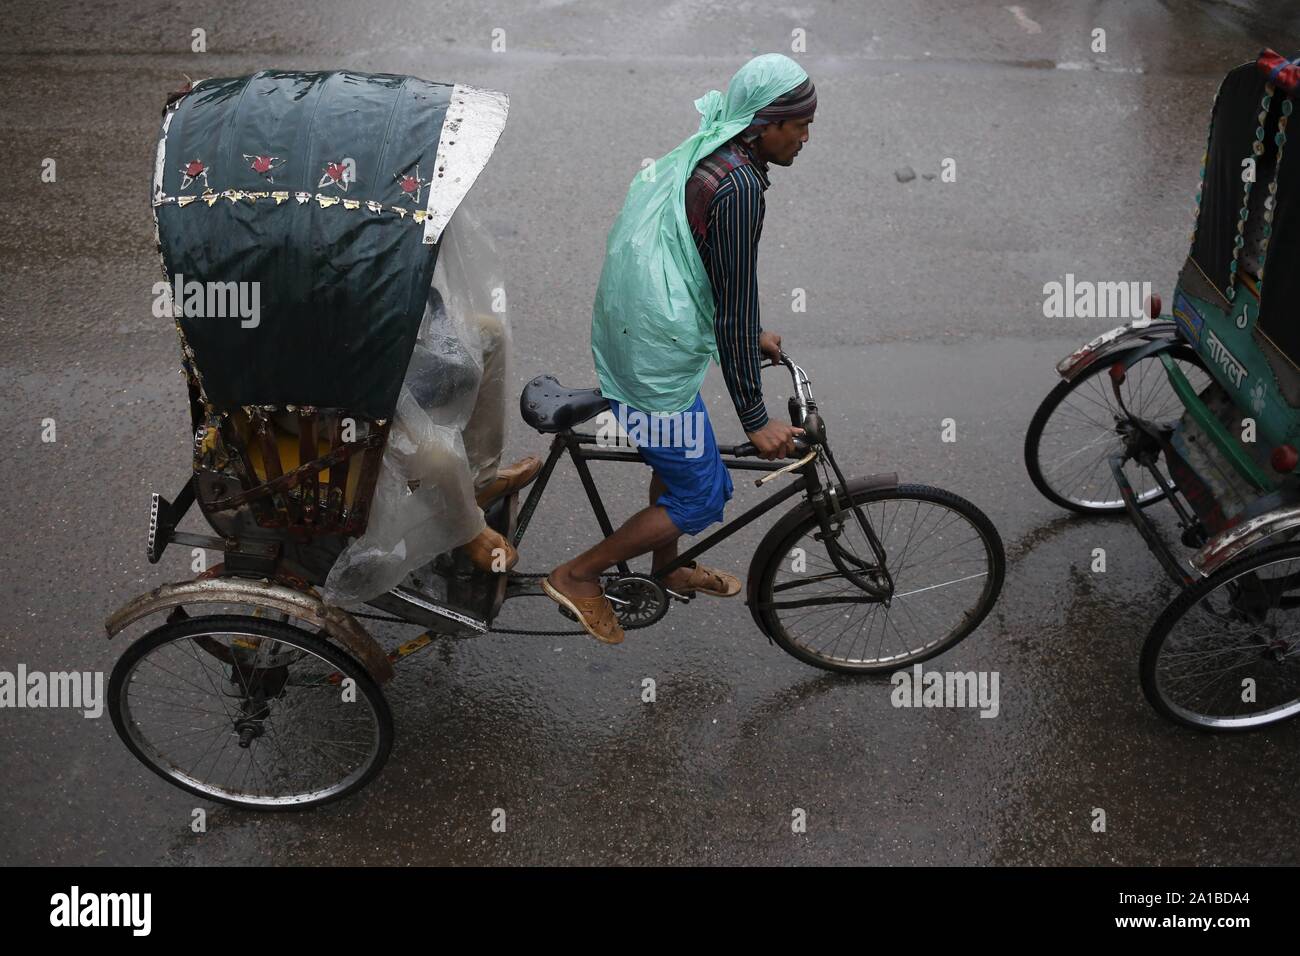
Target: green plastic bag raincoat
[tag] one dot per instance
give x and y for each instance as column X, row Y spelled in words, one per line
column 652, row 325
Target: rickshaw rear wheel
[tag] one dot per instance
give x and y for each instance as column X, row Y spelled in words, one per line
column 1224, row 656
column 278, row 719
column 1080, row 412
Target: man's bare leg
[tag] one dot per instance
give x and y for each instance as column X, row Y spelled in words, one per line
column 650, row 529
column 668, row 553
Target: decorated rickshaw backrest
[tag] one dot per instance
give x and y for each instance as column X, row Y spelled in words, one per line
column 1247, row 229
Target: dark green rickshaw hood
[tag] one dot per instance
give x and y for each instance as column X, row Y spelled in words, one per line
column 330, row 192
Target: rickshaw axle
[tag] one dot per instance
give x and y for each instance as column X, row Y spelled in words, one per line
column 249, row 730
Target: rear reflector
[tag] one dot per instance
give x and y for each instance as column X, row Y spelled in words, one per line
column 1284, row 459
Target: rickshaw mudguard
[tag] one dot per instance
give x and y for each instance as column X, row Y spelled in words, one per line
column 1238, row 539
column 335, row 622
column 788, row 522
column 1149, row 335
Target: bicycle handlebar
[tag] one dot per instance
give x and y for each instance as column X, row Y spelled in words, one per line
column 803, row 396
column 747, row 449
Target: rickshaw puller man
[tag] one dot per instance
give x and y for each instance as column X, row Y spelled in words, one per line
column 679, row 286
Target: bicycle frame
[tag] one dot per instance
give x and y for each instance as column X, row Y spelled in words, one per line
column 822, row 498
column 578, row 446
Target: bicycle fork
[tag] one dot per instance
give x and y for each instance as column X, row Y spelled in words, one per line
column 878, row 582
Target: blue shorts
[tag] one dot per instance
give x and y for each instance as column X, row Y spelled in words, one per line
column 682, row 451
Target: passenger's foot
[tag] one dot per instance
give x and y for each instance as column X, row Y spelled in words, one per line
column 491, row 552
column 697, row 579
column 508, row 479
column 595, row 614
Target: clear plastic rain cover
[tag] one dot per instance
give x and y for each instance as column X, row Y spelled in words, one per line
column 448, row 429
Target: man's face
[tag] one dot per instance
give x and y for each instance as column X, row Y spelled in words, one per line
column 780, row 142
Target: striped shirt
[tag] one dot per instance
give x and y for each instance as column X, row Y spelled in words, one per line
column 726, row 234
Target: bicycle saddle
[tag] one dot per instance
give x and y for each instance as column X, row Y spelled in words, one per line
column 548, row 406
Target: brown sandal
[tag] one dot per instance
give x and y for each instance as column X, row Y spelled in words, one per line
column 710, row 581
column 595, row 614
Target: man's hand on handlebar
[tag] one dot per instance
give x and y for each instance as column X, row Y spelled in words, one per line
column 775, row 440
column 769, row 343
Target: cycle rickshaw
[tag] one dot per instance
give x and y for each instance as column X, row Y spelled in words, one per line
column 1203, row 411
column 256, row 691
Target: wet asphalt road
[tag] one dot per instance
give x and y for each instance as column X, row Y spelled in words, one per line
column 924, row 302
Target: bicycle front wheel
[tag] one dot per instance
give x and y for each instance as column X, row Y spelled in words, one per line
column 945, row 559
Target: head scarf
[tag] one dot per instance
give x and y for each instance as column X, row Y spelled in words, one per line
column 799, row 103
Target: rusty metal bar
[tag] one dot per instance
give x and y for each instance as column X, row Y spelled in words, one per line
column 267, row 443
column 360, row 511
column 307, row 452
column 237, row 455
column 271, row 460
column 336, row 497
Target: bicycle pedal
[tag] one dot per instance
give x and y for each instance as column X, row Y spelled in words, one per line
column 684, row 598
